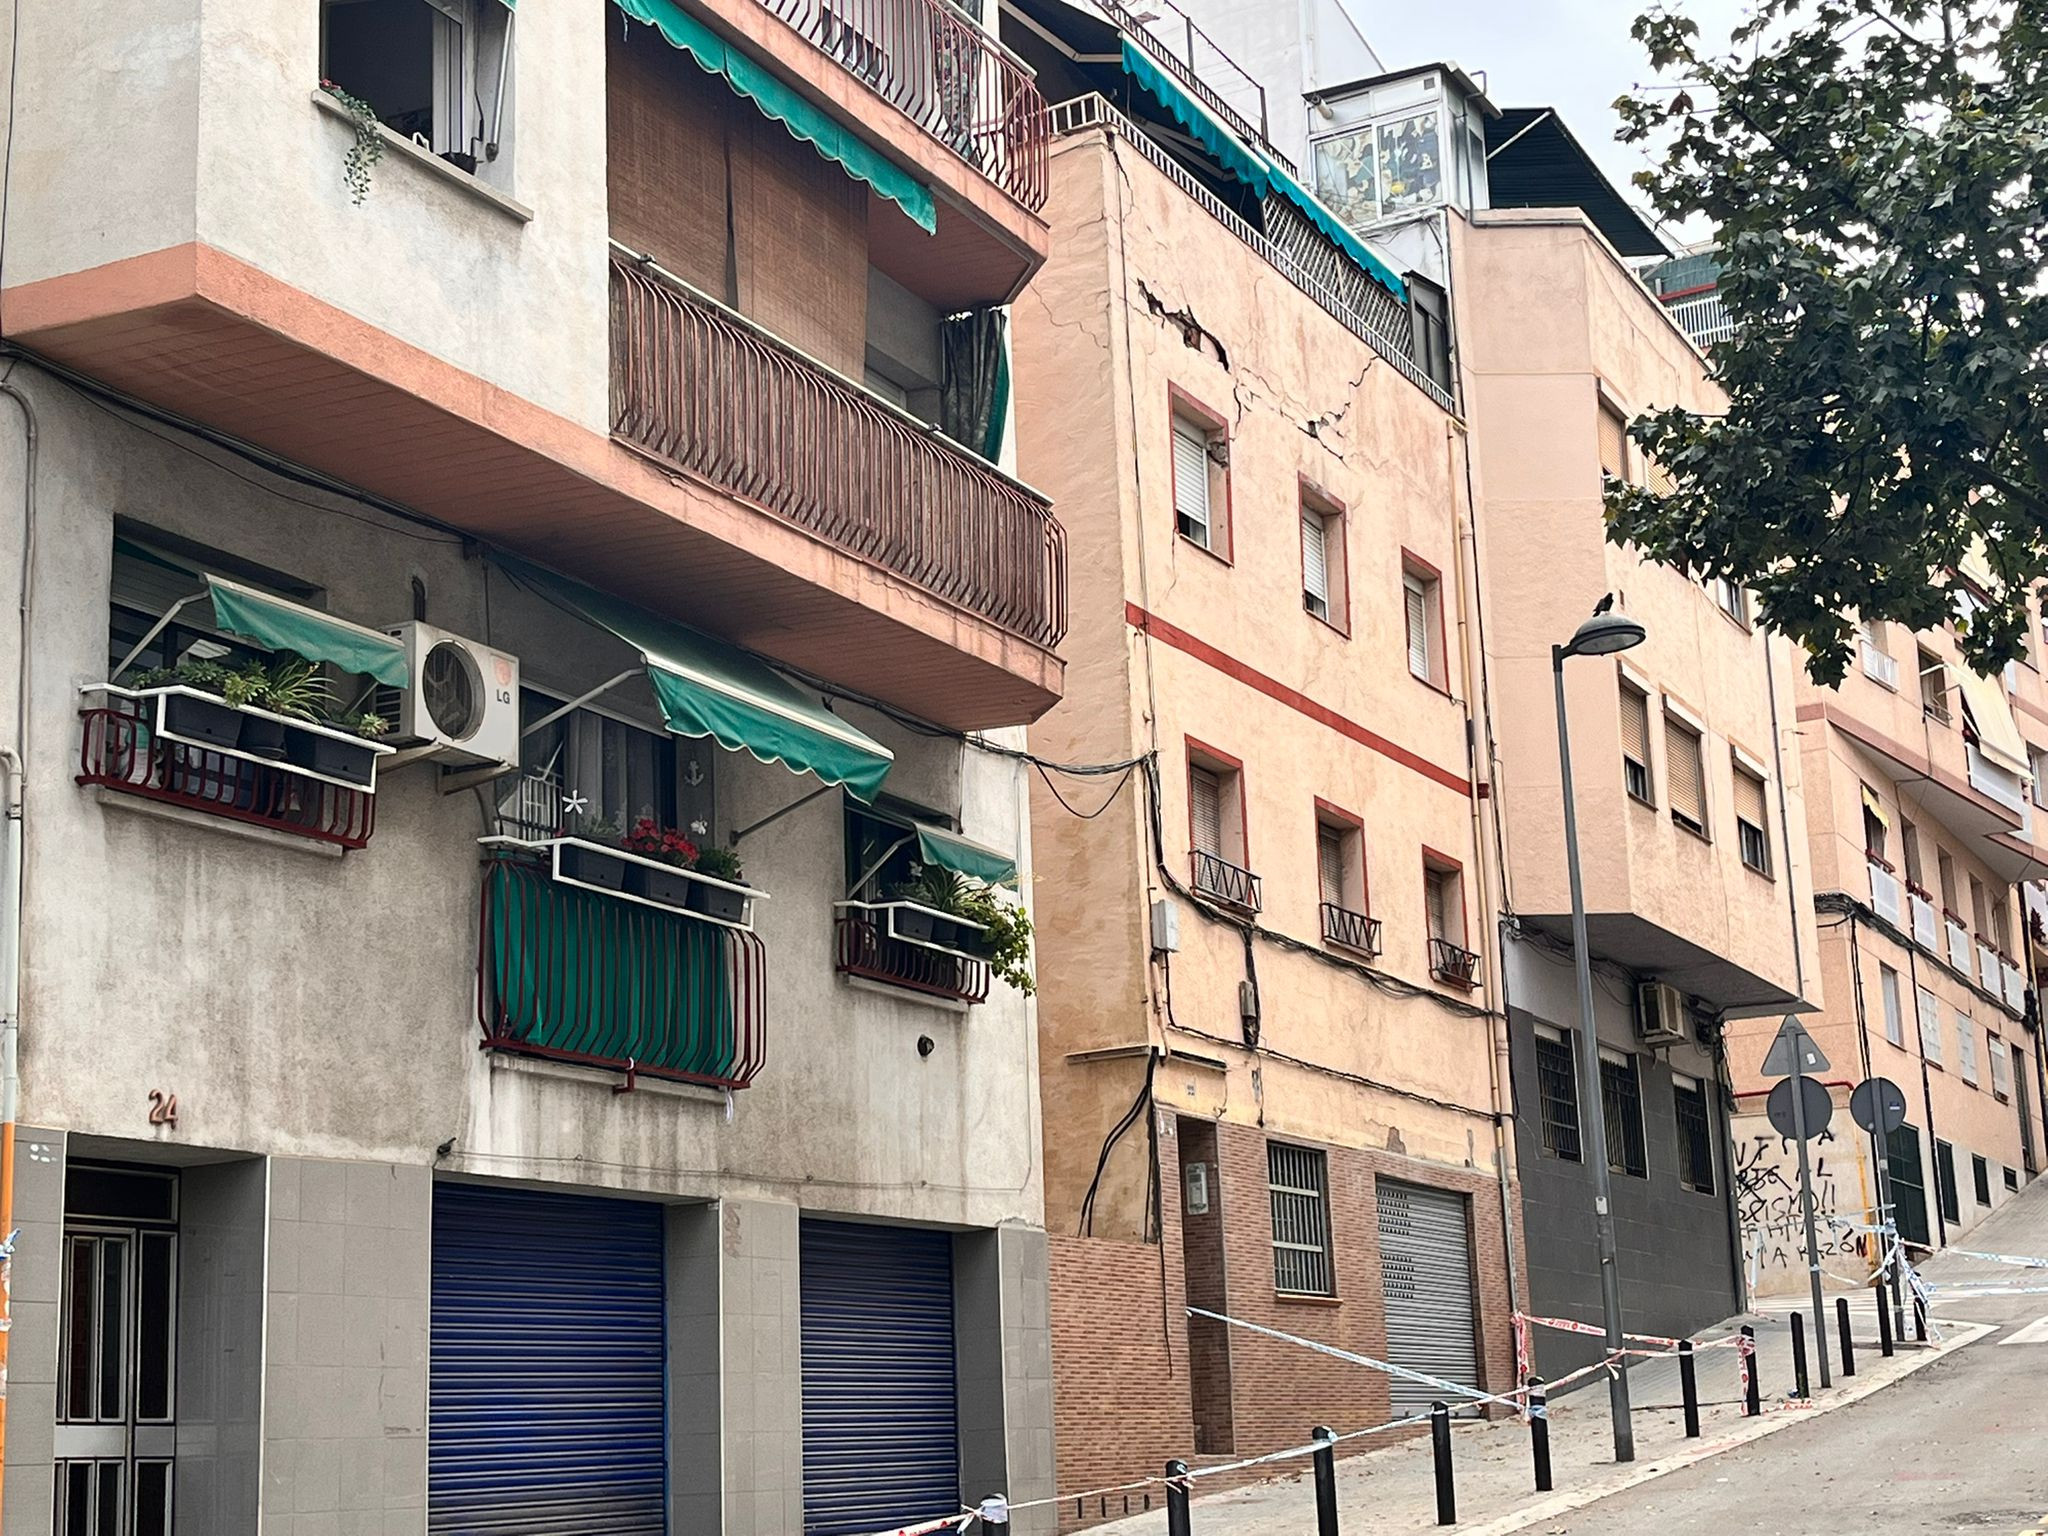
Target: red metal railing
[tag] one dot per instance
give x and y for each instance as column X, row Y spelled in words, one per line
column 1453, row 963
column 945, row 74
column 865, row 950
column 1352, row 930
column 118, row 751
column 707, row 390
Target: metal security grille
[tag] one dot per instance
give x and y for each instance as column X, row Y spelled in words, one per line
column 1426, row 1279
column 1621, row 1101
column 1557, row 1097
column 1695, row 1138
column 1909, row 1187
column 1299, row 1182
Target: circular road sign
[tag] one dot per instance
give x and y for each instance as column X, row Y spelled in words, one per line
column 1820, row 1108
column 1878, row 1105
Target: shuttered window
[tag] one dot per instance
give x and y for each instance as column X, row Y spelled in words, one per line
column 1298, row 1178
column 2001, row 1068
column 1966, row 1048
column 1330, row 863
column 1749, row 820
column 1205, row 802
column 1686, row 774
column 1635, row 743
column 1613, row 444
column 1930, row 1025
column 1419, row 621
column 1315, row 564
column 1191, row 483
column 1894, row 1010
column 1440, row 890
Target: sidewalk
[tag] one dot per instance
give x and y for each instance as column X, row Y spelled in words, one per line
column 1393, row 1489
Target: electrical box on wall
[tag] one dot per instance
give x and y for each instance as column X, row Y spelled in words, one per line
column 1196, row 1201
column 1165, row 927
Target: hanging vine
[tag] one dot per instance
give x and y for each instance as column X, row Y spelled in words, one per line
column 368, row 147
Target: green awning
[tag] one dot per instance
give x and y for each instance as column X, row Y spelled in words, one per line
column 805, row 121
column 708, row 688
column 949, row 850
column 1335, row 228
column 281, row 625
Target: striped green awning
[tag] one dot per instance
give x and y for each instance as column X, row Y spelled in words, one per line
column 949, row 850
column 281, row 625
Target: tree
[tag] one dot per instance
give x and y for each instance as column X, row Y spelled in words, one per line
column 1876, row 175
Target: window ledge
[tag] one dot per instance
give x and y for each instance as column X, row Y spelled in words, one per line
column 601, row 1077
column 1342, row 631
column 430, row 162
column 908, row 995
column 1684, row 825
column 1306, row 1299
column 114, row 799
column 1430, row 683
column 1217, row 555
column 1647, row 804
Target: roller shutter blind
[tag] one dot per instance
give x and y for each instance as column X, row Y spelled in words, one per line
column 1191, row 481
column 1686, row 771
column 1315, row 567
column 1330, row 864
column 1613, row 444
column 1749, row 798
column 1426, row 1275
column 1205, row 797
column 1417, row 614
column 1635, row 725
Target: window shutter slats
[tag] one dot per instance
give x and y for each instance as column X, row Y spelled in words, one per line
column 1418, row 629
column 1686, row 771
column 1330, row 864
column 1205, row 796
column 1749, row 798
column 1635, row 725
column 1191, row 480
column 1315, row 566
column 1613, row 444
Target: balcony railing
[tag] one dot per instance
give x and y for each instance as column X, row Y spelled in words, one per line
column 571, row 974
column 701, row 387
column 1165, row 33
column 1453, row 963
column 1926, row 931
column 1884, row 889
column 1223, row 881
column 1705, row 319
column 1350, row 930
column 869, row 947
column 1958, row 941
column 944, row 73
column 1987, row 965
column 121, row 750
column 2014, row 985
column 1996, row 782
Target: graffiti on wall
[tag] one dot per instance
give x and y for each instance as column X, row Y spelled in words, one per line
column 1774, row 1227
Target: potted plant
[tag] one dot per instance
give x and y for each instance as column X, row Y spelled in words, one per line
column 593, row 866
column 350, row 761
column 936, row 893
column 1004, row 941
column 712, row 900
column 665, row 845
column 291, row 689
column 196, row 719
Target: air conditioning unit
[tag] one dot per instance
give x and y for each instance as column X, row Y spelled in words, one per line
column 1660, row 1014
column 463, row 703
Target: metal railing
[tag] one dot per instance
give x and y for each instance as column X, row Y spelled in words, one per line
column 1094, row 111
column 119, row 751
column 944, row 73
column 1223, row 881
column 573, row 975
column 1453, row 963
column 704, row 389
column 1352, row 930
column 865, row 949
column 1704, row 318
column 1165, row 32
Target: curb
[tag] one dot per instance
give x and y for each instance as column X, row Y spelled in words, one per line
column 1960, row 1335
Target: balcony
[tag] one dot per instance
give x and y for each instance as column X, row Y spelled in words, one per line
column 1453, row 964
column 700, row 387
column 574, row 974
column 1926, row 930
column 1350, row 930
column 1704, row 318
column 1221, row 880
column 935, row 66
column 1995, row 782
column 1958, row 941
column 1884, row 889
column 131, row 745
column 919, row 949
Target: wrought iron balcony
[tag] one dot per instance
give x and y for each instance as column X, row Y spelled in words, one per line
column 121, row 749
column 944, row 73
column 1223, row 881
column 1453, row 963
column 572, row 974
column 700, row 387
column 1350, row 930
column 870, row 947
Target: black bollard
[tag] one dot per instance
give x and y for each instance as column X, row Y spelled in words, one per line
column 994, row 1515
column 1800, row 1388
column 1689, row 1387
column 1325, row 1459
column 1752, row 1389
column 1539, row 1432
column 1919, row 1320
column 1848, row 1344
column 1177, row 1498
column 1884, row 1322
column 1440, row 1446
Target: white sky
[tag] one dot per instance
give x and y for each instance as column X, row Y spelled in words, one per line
column 1574, row 55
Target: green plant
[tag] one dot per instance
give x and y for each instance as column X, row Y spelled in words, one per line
column 719, row 863
column 369, row 725
column 292, row 688
column 368, row 147
column 935, row 887
column 244, row 686
column 1006, row 938
column 651, row 840
column 207, row 676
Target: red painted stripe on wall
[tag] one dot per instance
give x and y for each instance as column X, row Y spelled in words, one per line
column 1230, row 666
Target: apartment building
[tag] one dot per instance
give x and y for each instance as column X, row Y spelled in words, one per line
column 519, row 576
column 1922, row 807
column 1269, row 1057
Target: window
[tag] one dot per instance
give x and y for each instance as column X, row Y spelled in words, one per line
column 2012, row 1182
column 146, row 586
column 1216, row 827
column 2037, row 770
column 1557, row 1093
column 1201, row 489
column 590, row 767
column 1878, row 664
column 1980, row 908
column 1732, row 598
column 1685, row 774
column 1205, row 810
column 1422, row 615
column 2001, row 929
column 1635, row 743
column 1966, row 1048
column 1695, row 1134
column 1298, row 1178
column 430, row 68
column 1945, row 867
column 1980, row 1176
column 1749, row 820
column 1621, row 1104
column 2001, row 1069
column 1330, row 863
column 1909, row 847
column 1443, row 891
column 1875, row 830
column 1930, row 1025
column 1323, row 565
column 1340, row 858
column 1613, row 443
column 1945, row 1181
column 1933, row 688
column 1894, row 1014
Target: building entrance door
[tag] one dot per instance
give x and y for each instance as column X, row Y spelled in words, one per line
column 116, row 1423
column 1909, row 1184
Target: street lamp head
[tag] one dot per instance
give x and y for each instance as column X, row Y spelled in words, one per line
column 1604, row 634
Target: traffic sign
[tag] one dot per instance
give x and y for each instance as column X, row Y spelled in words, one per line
column 1793, row 1051
column 1878, row 1105
column 1820, row 1108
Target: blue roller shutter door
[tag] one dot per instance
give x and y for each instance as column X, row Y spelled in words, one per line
column 881, row 1423
column 547, row 1406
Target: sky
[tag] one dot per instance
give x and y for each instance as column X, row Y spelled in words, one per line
column 1574, row 55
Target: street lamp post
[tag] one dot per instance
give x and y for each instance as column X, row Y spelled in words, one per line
column 1601, row 635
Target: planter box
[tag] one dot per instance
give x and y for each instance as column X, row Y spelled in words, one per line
column 918, row 923
column 716, row 901
column 593, row 866
column 262, row 737
column 205, row 720
column 974, row 941
column 670, row 887
column 353, row 762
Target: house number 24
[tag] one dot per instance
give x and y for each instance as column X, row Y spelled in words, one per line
column 163, row 1107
